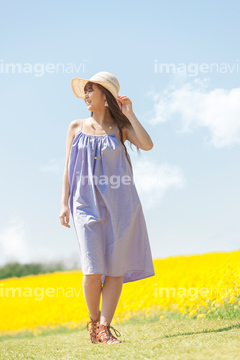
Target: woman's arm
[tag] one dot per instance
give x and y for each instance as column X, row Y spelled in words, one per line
column 136, row 133
column 65, row 212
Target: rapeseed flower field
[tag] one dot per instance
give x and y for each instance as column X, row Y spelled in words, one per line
column 193, row 286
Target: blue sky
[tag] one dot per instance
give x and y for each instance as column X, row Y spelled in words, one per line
column 189, row 184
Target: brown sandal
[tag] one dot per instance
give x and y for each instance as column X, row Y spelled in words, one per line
column 104, row 334
column 93, row 327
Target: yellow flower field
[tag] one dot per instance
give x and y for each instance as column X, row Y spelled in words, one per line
column 194, row 286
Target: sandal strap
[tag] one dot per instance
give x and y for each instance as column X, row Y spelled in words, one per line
column 117, row 333
column 104, row 333
column 93, row 322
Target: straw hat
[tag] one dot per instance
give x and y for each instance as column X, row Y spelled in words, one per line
column 103, row 78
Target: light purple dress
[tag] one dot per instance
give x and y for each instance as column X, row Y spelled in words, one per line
column 106, row 209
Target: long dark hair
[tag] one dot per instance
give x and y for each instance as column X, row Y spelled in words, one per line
column 116, row 113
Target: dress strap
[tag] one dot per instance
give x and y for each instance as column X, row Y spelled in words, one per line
column 115, row 129
column 81, row 124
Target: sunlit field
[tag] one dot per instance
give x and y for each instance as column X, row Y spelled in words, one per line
column 185, row 287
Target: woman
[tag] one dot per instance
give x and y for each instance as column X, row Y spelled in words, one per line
column 107, row 216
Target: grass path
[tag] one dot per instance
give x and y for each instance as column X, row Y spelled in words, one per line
column 166, row 339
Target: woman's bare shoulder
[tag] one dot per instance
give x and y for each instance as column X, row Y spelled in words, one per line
column 76, row 124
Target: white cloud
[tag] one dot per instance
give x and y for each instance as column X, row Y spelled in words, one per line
column 17, row 244
column 13, row 246
column 152, row 180
column 195, row 106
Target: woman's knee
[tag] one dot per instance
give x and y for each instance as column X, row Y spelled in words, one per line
column 93, row 277
column 114, row 277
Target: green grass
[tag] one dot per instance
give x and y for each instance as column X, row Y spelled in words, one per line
column 170, row 338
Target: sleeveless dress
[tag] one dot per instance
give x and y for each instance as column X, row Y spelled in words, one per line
column 106, row 210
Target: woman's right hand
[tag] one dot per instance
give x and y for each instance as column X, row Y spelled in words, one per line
column 65, row 213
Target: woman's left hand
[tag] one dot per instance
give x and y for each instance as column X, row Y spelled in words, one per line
column 125, row 104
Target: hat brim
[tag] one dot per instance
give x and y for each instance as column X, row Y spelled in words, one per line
column 78, row 85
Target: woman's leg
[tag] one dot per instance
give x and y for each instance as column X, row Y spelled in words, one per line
column 92, row 287
column 111, row 292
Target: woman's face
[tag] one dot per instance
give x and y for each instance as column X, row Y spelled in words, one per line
column 94, row 97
